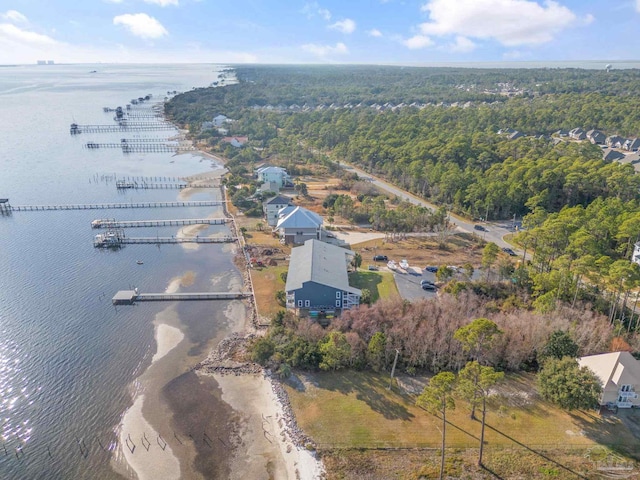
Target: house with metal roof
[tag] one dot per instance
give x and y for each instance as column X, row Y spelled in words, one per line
column 619, row 375
column 273, row 206
column 275, row 175
column 298, row 226
column 318, row 282
column 596, row 137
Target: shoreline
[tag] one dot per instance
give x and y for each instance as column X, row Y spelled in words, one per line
column 248, row 412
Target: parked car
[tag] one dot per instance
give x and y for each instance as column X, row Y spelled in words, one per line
column 428, row 286
column 372, row 267
column 431, row 269
column 426, row 282
column 380, row 258
column 479, row 227
column 508, row 251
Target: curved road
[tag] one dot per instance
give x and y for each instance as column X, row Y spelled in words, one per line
column 494, row 230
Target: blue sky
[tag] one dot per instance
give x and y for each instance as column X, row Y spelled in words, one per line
column 331, row 31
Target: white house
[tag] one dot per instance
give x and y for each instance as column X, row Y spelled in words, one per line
column 273, row 206
column 220, row 120
column 299, row 225
column 619, row 375
column 275, row 175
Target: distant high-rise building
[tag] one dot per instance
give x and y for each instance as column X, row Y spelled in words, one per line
column 49, row 62
column 42, row 62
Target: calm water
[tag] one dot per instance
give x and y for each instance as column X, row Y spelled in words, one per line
column 67, row 356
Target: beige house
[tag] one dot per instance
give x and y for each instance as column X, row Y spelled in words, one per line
column 619, row 373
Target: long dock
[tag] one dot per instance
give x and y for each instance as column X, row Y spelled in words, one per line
column 142, row 147
column 162, row 186
column 124, row 127
column 105, row 206
column 109, row 223
column 172, row 240
column 129, row 297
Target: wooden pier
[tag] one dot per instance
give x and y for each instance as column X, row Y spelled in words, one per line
column 122, row 185
column 101, row 243
column 112, row 223
column 105, row 206
column 129, row 297
column 76, row 129
column 142, row 147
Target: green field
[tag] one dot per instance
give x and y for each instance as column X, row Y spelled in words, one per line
column 381, row 284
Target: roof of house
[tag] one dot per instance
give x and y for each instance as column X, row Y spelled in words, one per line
column 237, row 139
column 270, row 169
column 609, row 367
column 300, row 218
column 610, row 154
column 319, row 262
column 279, row 200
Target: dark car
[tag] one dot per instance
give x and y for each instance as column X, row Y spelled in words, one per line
column 479, row 227
column 431, row 269
column 428, row 286
column 380, row 258
column 508, row 251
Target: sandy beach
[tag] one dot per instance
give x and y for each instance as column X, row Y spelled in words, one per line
column 187, row 422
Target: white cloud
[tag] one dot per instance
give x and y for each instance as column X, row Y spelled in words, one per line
column 10, row 34
column 163, row 3
column 312, row 9
column 510, row 22
column 462, row 45
column 14, row 16
column 345, row 26
column 113, row 1
column 638, row 6
column 325, row 50
column 418, row 41
column 141, row 25
column 374, row 32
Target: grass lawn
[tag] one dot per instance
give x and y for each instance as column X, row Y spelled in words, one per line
column 354, row 410
column 380, row 284
column 266, row 282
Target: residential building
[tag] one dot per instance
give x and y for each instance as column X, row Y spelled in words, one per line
column 318, row 281
column 615, row 141
column 632, row 144
column 235, row 141
column 220, row 120
column 298, row 226
column 577, row 134
column 611, row 155
column 619, row 375
column 276, row 175
column 272, row 206
column 596, row 137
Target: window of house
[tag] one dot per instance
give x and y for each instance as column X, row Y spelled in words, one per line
column 299, row 303
column 307, row 303
column 337, row 294
column 338, row 303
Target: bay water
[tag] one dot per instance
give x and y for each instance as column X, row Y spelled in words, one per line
column 68, row 357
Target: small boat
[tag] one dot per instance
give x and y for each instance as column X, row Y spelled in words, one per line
column 139, row 262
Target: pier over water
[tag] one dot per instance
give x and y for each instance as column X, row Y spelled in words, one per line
column 106, row 206
column 129, row 297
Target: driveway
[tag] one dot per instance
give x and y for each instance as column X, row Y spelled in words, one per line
column 409, row 284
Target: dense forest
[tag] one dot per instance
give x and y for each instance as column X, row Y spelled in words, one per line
column 435, row 132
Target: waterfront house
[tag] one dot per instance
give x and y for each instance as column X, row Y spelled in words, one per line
column 235, row 141
column 297, row 225
column 318, row 280
column 619, row 375
column 272, row 206
column 276, row 175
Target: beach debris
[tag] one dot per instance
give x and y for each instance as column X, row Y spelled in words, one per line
column 145, row 442
column 130, row 445
column 161, row 442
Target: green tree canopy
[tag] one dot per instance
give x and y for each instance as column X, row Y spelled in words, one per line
column 565, row 383
column 477, row 337
column 560, row 344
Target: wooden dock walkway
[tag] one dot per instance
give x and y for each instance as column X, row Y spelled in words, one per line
column 123, row 127
column 175, row 240
column 109, row 223
column 129, row 297
column 162, row 186
column 105, row 206
column 142, row 147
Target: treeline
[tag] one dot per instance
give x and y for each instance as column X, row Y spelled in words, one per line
column 422, row 332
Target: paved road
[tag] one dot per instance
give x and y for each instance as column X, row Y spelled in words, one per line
column 494, row 230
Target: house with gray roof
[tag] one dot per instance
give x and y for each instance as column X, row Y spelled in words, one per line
column 272, row 206
column 298, row 226
column 596, row 137
column 615, row 141
column 577, row 134
column 611, row 155
column 318, row 281
column 619, row 375
column 632, row 144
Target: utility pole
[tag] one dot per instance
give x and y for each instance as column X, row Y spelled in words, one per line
column 393, row 369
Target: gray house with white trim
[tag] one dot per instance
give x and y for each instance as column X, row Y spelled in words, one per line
column 317, row 281
column 272, row 208
column 298, row 225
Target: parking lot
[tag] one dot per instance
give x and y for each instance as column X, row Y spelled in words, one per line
column 409, row 284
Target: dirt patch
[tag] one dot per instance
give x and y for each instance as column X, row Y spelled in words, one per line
column 188, row 279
